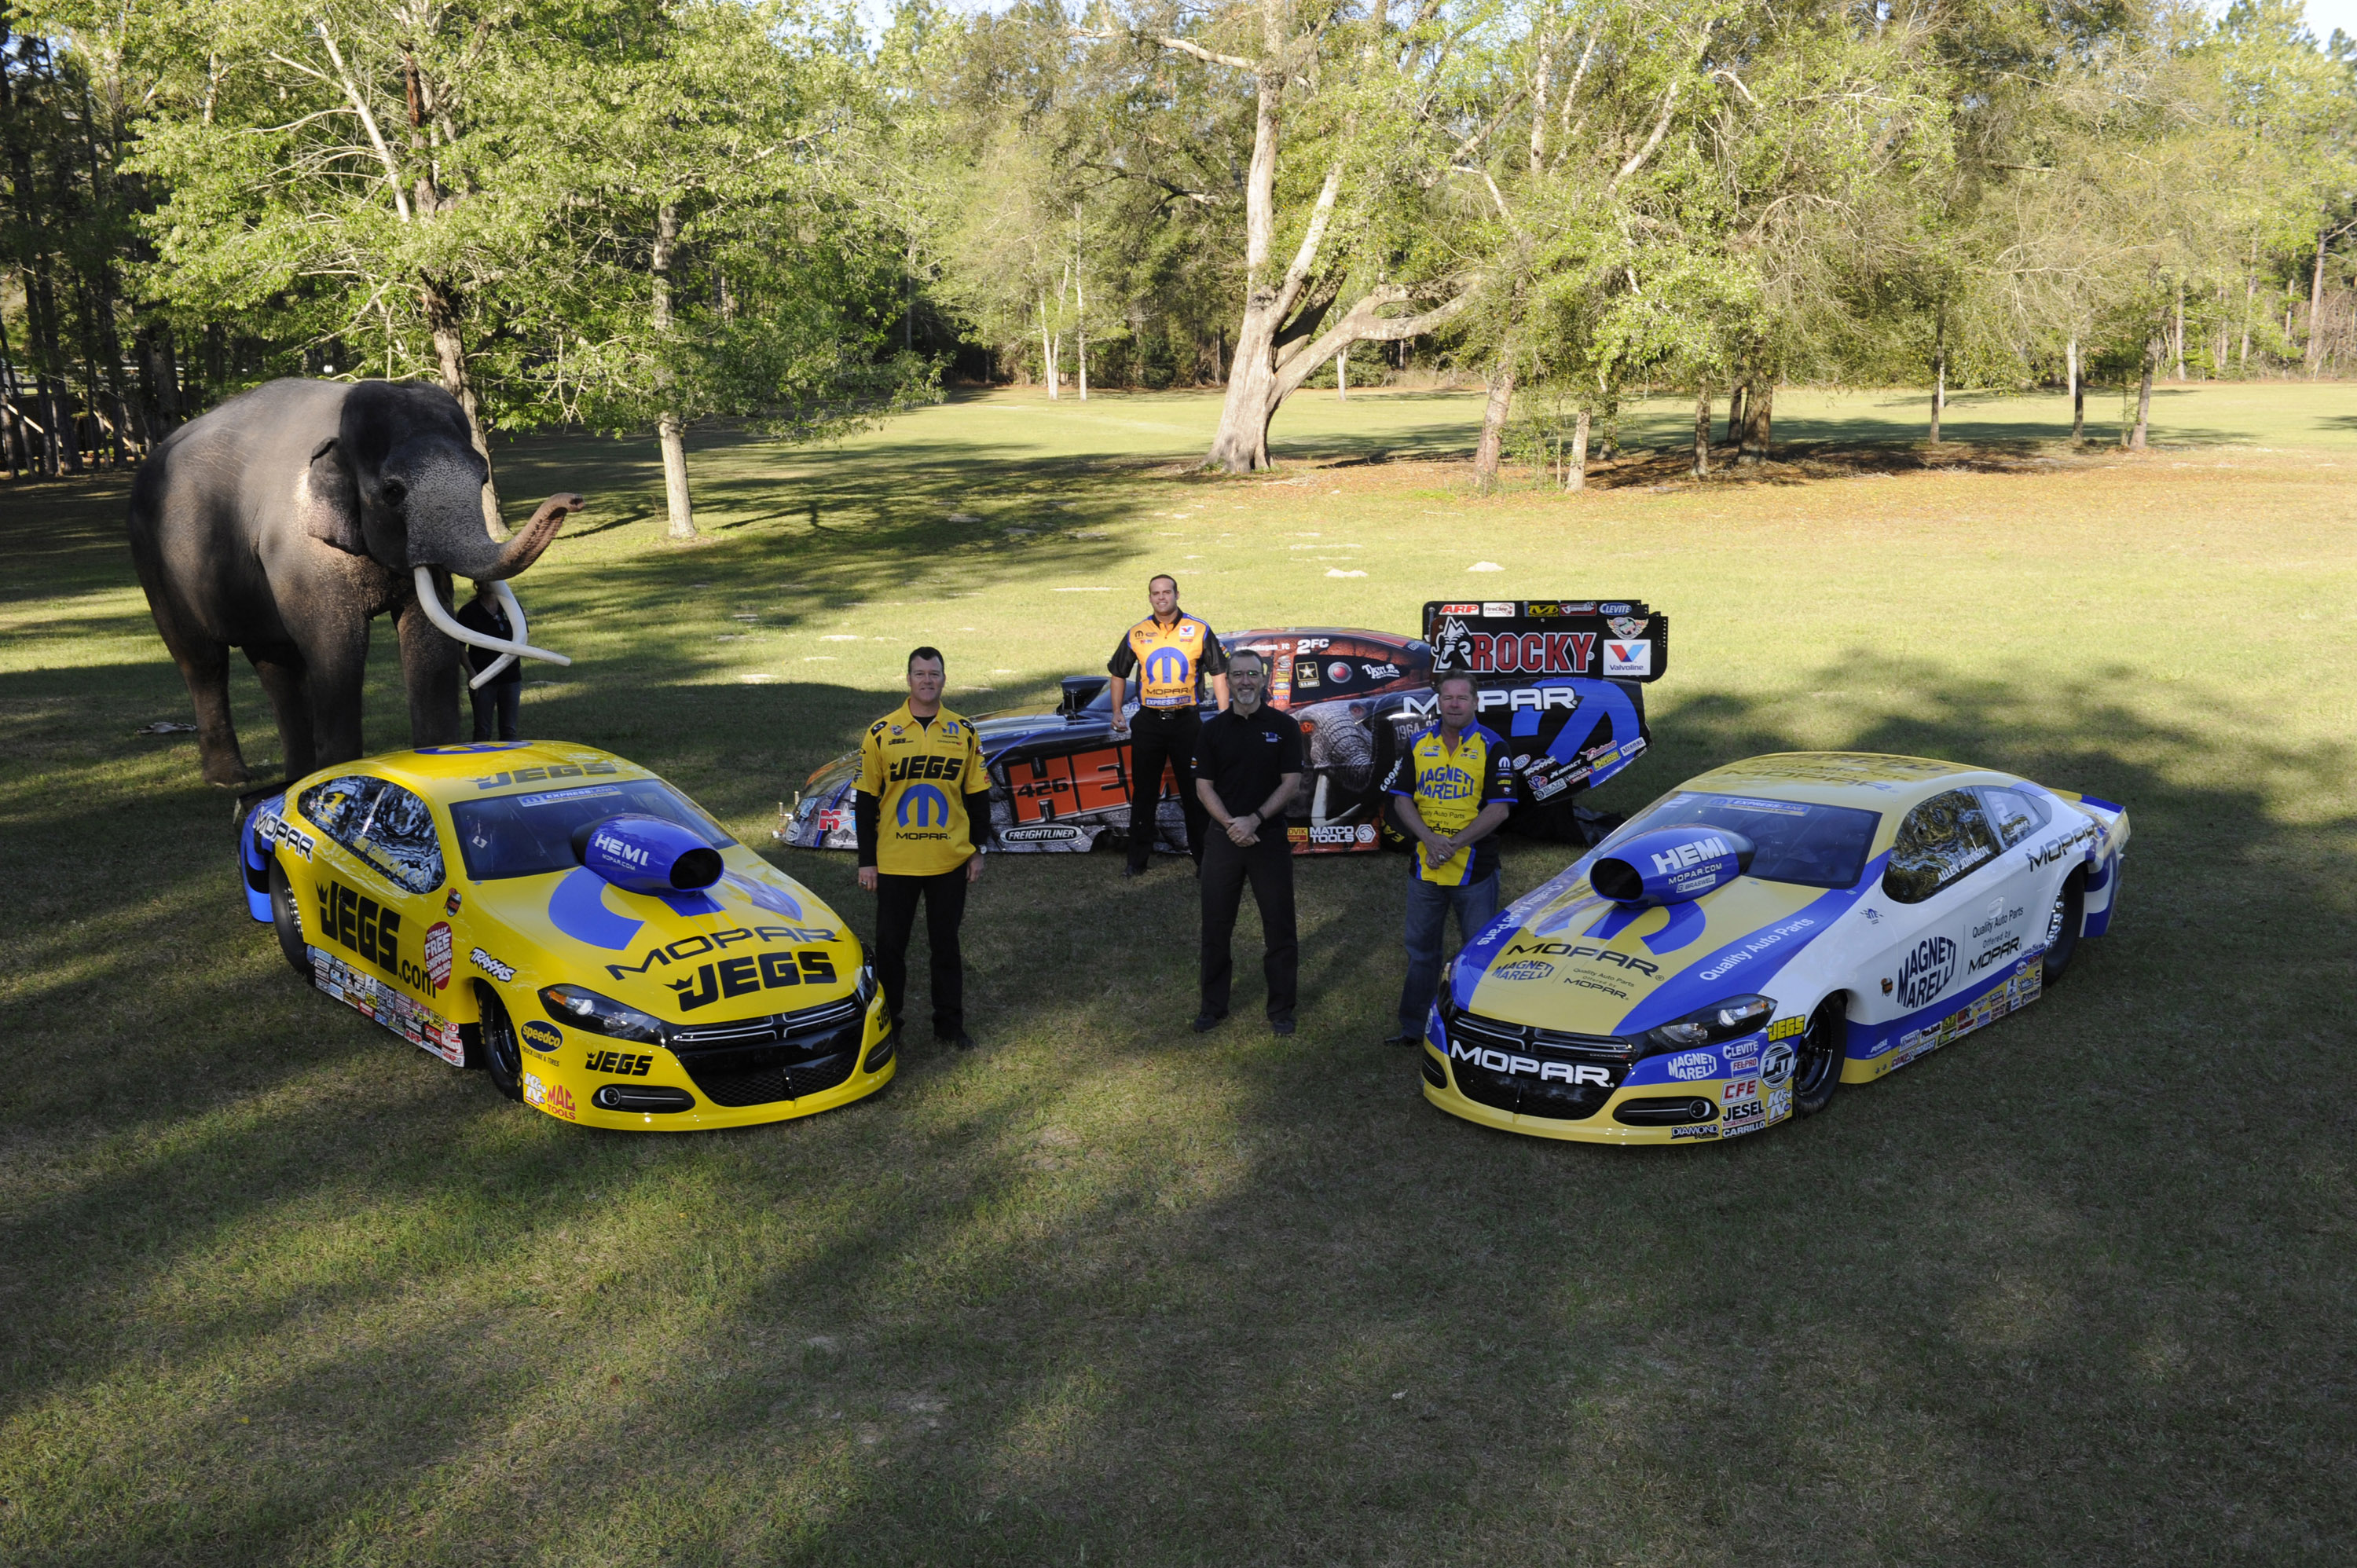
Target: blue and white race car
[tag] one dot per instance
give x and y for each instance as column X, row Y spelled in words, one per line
column 1763, row 934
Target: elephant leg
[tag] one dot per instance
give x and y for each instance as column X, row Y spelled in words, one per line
column 335, row 672
column 279, row 668
column 432, row 667
column 204, row 668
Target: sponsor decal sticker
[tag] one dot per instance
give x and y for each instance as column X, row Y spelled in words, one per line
column 1530, row 1067
column 276, row 828
column 1693, row 1132
column 1779, row 1104
column 1381, row 671
column 1784, row 1028
column 1454, row 610
column 553, row 1098
column 1366, row 832
column 1497, row 608
column 621, row 1064
column 1998, row 954
column 1333, row 833
column 1747, row 1118
column 1692, row 1065
column 450, row 905
column 1614, row 609
column 1742, row 1088
column 1528, row 969
column 1628, row 658
column 1337, row 671
column 1776, row 1065
column 1053, row 832
column 1626, row 625
column 437, row 953
column 1926, row 972
column 539, row 1035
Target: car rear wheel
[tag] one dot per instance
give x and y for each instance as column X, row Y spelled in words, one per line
column 2062, row 923
column 286, row 919
column 1817, row 1057
column 502, row 1052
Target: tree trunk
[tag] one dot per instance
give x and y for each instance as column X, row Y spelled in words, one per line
column 2177, row 337
column 2078, row 398
column 1080, row 330
column 670, row 431
column 1342, row 376
column 1701, row 430
column 1758, row 415
column 1492, row 448
column 1735, row 411
column 2144, row 394
column 2250, row 294
column 1575, row 476
column 444, row 322
column 11, row 427
column 2315, row 351
column 1939, row 369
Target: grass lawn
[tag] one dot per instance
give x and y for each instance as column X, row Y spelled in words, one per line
column 276, row 1287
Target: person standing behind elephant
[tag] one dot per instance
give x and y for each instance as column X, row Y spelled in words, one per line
column 501, row 696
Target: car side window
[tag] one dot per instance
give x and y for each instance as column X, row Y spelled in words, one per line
column 1941, row 841
column 2014, row 814
column 388, row 828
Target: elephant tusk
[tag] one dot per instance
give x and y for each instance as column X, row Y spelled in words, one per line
column 431, row 603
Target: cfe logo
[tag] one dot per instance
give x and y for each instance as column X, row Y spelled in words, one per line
column 1167, row 667
column 923, row 806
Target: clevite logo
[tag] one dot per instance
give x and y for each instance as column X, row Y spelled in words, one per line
column 1691, row 1065
column 1628, row 658
column 1530, row 1067
column 1926, row 972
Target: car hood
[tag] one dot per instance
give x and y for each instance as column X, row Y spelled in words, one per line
column 676, row 955
column 1564, row 957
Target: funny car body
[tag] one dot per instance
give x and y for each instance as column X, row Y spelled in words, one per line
column 1763, row 934
column 576, row 927
column 1059, row 779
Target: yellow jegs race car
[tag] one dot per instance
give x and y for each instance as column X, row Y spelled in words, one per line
column 1762, row 935
column 573, row 926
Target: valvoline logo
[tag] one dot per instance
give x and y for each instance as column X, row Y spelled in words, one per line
column 1167, row 667
column 923, row 806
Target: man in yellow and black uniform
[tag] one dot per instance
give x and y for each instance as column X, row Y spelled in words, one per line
column 922, row 810
column 1172, row 654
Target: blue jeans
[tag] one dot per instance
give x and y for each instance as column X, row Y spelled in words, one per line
column 1428, row 905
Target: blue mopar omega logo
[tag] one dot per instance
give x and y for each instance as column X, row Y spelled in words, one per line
column 1167, row 667
column 923, row 806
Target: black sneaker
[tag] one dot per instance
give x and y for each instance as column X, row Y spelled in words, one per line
column 1129, row 870
column 1206, row 1022
column 1280, row 1026
column 961, row 1040
column 1403, row 1038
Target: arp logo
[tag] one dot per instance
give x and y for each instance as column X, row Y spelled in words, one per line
column 923, row 806
column 1167, row 667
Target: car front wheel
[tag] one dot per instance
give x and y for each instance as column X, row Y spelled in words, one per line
column 1817, row 1057
column 2062, row 923
column 286, row 919
column 502, row 1052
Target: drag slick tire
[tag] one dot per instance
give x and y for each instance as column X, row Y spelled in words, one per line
column 286, row 919
column 1817, row 1057
column 2063, row 923
column 503, row 1053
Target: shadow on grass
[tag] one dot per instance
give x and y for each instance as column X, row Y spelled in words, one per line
column 285, row 1291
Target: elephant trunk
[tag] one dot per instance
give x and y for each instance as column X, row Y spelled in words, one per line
column 477, row 555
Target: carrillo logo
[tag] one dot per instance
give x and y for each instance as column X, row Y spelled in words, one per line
column 1925, row 972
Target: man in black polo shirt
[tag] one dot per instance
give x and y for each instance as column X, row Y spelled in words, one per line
column 1247, row 765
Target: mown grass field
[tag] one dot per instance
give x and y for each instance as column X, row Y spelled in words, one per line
column 275, row 1287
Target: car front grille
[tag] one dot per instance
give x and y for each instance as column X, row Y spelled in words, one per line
column 1522, row 1094
column 758, row 1061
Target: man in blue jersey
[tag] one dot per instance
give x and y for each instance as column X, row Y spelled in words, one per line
column 1451, row 787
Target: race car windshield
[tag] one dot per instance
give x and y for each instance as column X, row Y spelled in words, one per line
column 1815, row 846
column 525, row 835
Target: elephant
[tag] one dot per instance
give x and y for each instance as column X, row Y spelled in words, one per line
column 284, row 521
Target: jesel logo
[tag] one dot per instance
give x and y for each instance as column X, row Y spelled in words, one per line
column 1530, row 1067
column 1167, row 667
column 749, row 972
column 923, row 806
column 1580, row 950
column 1925, row 972
column 358, row 924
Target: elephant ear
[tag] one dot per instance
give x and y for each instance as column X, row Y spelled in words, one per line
column 329, row 501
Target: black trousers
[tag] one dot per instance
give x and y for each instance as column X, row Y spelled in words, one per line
column 499, row 701
column 1268, row 866
column 896, row 917
column 1159, row 735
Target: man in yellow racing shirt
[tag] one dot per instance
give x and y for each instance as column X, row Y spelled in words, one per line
column 1171, row 654
column 1451, row 787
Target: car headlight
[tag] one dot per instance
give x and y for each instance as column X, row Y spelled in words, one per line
column 584, row 1009
column 1719, row 1021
